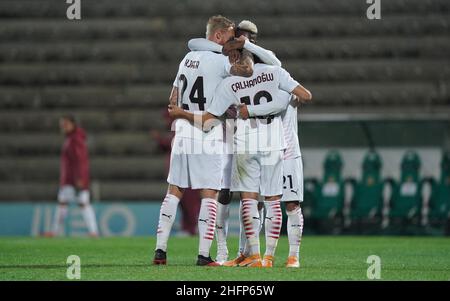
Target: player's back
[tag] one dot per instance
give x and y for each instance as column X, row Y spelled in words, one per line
column 199, row 73
column 290, row 128
column 262, row 87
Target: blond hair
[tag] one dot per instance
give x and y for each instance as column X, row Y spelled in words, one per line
column 216, row 23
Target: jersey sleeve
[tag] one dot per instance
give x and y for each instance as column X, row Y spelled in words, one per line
column 226, row 67
column 202, row 44
column 287, row 83
column 222, row 100
column 267, row 56
column 175, row 81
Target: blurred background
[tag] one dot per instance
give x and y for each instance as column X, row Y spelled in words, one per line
column 374, row 140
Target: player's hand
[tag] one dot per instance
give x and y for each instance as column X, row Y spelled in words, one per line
column 233, row 45
column 299, row 100
column 234, row 56
column 242, row 38
column 243, row 111
column 174, row 111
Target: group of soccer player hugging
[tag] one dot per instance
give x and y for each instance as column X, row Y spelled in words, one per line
column 227, row 72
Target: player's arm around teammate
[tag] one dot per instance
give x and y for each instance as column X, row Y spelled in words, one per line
column 302, row 95
column 198, row 75
column 238, row 43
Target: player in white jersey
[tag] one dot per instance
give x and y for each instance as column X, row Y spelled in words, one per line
column 259, row 145
column 198, row 75
column 292, row 175
column 292, row 172
column 293, row 183
column 249, row 30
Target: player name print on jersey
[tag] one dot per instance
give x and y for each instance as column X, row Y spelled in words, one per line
column 262, row 78
column 191, row 64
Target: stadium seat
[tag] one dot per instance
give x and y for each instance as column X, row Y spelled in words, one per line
column 439, row 203
column 88, row 97
column 327, row 208
column 103, row 168
column 102, row 190
column 82, row 74
column 116, row 51
column 367, row 200
column 104, row 144
column 93, row 120
column 141, row 8
column 406, row 201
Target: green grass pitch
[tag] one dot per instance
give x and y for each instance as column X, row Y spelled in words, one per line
column 323, row 258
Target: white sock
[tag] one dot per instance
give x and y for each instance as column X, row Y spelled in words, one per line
column 242, row 237
column 250, row 217
column 167, row 216
column 223, row 213
column 245, row 246
column 247, row 250
column 273, row 225
column 261, row 219
column 206, row 225
column 89, row 217
column 60, row 216
column 295, row 230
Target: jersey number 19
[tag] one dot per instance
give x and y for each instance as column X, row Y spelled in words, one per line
column 257, row 100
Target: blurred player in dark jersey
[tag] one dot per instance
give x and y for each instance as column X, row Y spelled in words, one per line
column 74, row 177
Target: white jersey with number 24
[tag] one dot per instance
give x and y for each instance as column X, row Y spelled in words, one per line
column 199, row 74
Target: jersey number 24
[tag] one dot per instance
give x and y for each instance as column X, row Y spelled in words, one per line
column 196, row 94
